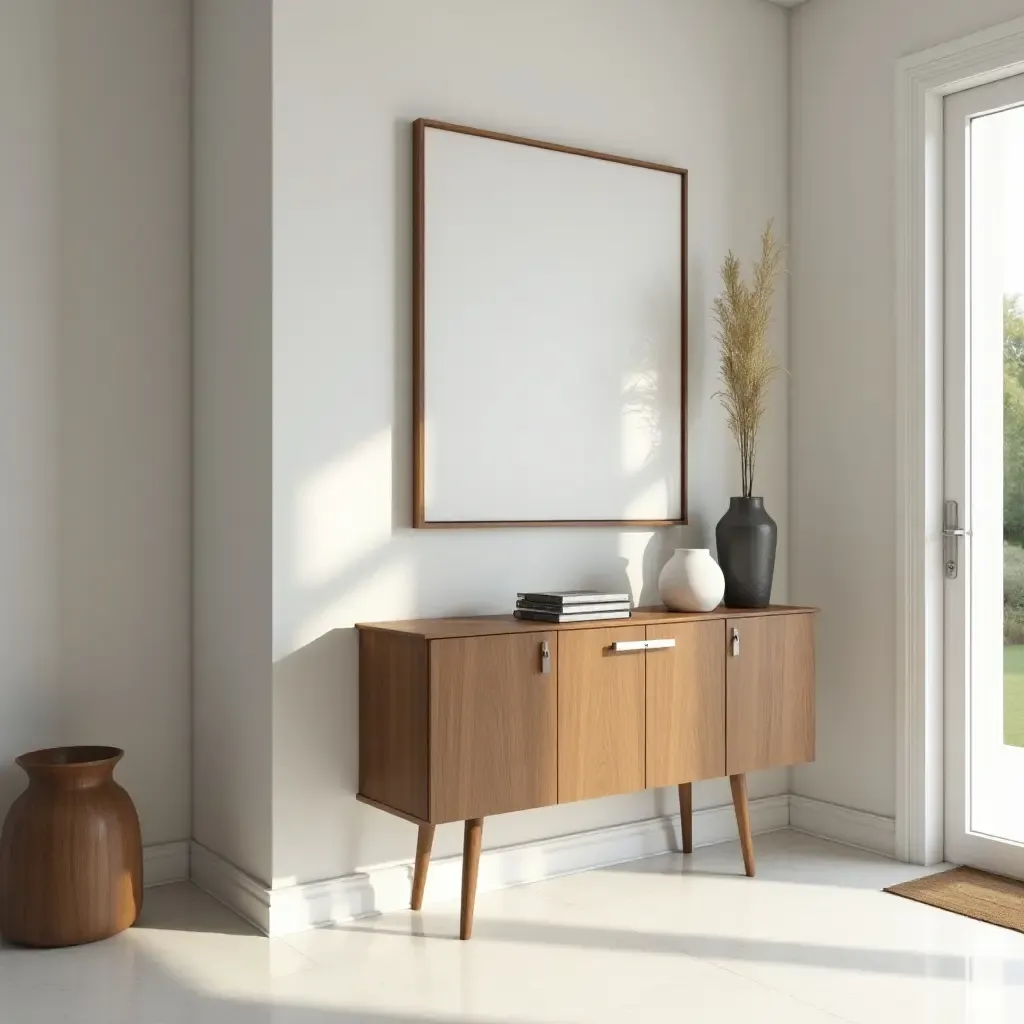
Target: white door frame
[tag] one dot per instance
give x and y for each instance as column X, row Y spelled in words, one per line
column 922, row 80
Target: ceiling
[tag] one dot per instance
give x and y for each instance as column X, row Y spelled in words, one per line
column 788, row 3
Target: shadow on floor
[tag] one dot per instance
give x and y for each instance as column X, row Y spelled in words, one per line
column 181, row 907
column 723, row 948
column 779, row 859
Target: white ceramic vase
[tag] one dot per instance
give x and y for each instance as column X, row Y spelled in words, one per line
column 691, row 581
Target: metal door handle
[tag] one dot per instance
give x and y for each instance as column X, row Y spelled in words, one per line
column 735, row 642
column 624, row 646
column 545, row 657
column 951, row 530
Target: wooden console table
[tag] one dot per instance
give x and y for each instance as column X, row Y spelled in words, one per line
column 468, row 717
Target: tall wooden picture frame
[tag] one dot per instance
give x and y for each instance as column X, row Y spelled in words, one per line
column 549, row 334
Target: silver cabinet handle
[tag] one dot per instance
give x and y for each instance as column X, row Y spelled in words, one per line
column 545, row 657
column 624, row 646
column 735, row 643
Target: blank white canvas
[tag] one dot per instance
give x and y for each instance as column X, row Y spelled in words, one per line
column 553, row 351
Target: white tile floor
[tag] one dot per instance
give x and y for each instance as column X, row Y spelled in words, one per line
column 811, row 940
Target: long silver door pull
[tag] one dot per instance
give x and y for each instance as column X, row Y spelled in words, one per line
column 735, row 643
column 951, row 530
column 624, row 646
column 545, row 657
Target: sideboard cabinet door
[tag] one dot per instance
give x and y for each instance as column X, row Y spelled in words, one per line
column 600, row 713
column 686, row 703
column 769, row 691
column 493, row 725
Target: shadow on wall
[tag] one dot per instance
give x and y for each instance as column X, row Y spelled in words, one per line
column 315, row 743
column 344, row 550
column 319, row 829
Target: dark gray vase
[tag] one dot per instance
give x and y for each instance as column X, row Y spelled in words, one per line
column 747, row 537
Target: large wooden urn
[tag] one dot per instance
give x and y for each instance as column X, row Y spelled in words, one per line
column 70, row 852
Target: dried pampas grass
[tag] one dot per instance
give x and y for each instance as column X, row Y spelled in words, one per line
column 747, row 368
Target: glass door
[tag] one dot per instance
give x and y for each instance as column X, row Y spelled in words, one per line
column 984, row 476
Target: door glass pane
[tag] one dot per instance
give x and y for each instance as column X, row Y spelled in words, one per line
column 998, row 170
column 996, row 328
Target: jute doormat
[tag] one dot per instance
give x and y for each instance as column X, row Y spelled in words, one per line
column 971, row 893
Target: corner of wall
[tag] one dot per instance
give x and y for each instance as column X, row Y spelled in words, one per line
column 232, row 431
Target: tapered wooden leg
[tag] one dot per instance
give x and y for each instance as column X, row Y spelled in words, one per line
column 470, row 862
column 424, row 841
column 686, row 815
column 739, row 801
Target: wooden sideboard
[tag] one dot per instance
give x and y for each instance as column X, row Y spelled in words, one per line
column 463, row 718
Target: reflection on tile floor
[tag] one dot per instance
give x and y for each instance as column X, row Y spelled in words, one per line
column 811, row 940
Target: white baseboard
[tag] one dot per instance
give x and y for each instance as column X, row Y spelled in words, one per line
column 231, row 886
column 165, row 862
column 386, row 887
column 843, row 825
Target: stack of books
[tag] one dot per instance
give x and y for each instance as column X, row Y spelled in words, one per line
column 572, row 606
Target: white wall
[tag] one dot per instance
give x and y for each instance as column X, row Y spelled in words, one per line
column 842, row 356
column 94, row 407
column 29, row 298
column 692, row 83
column 232, row 430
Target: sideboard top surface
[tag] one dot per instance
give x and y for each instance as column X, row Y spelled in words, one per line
column 491, row 625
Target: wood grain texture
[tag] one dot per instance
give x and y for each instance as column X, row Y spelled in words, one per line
column 494, row 625
column 393, row 721
column 738, row 783
column 600, row 714
column 424, row 843
column 70, row 852
column 686, row 815
column 686, row 704
column 419, row 323
column 471, row 843
column 493, row 726
column 770, row 693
